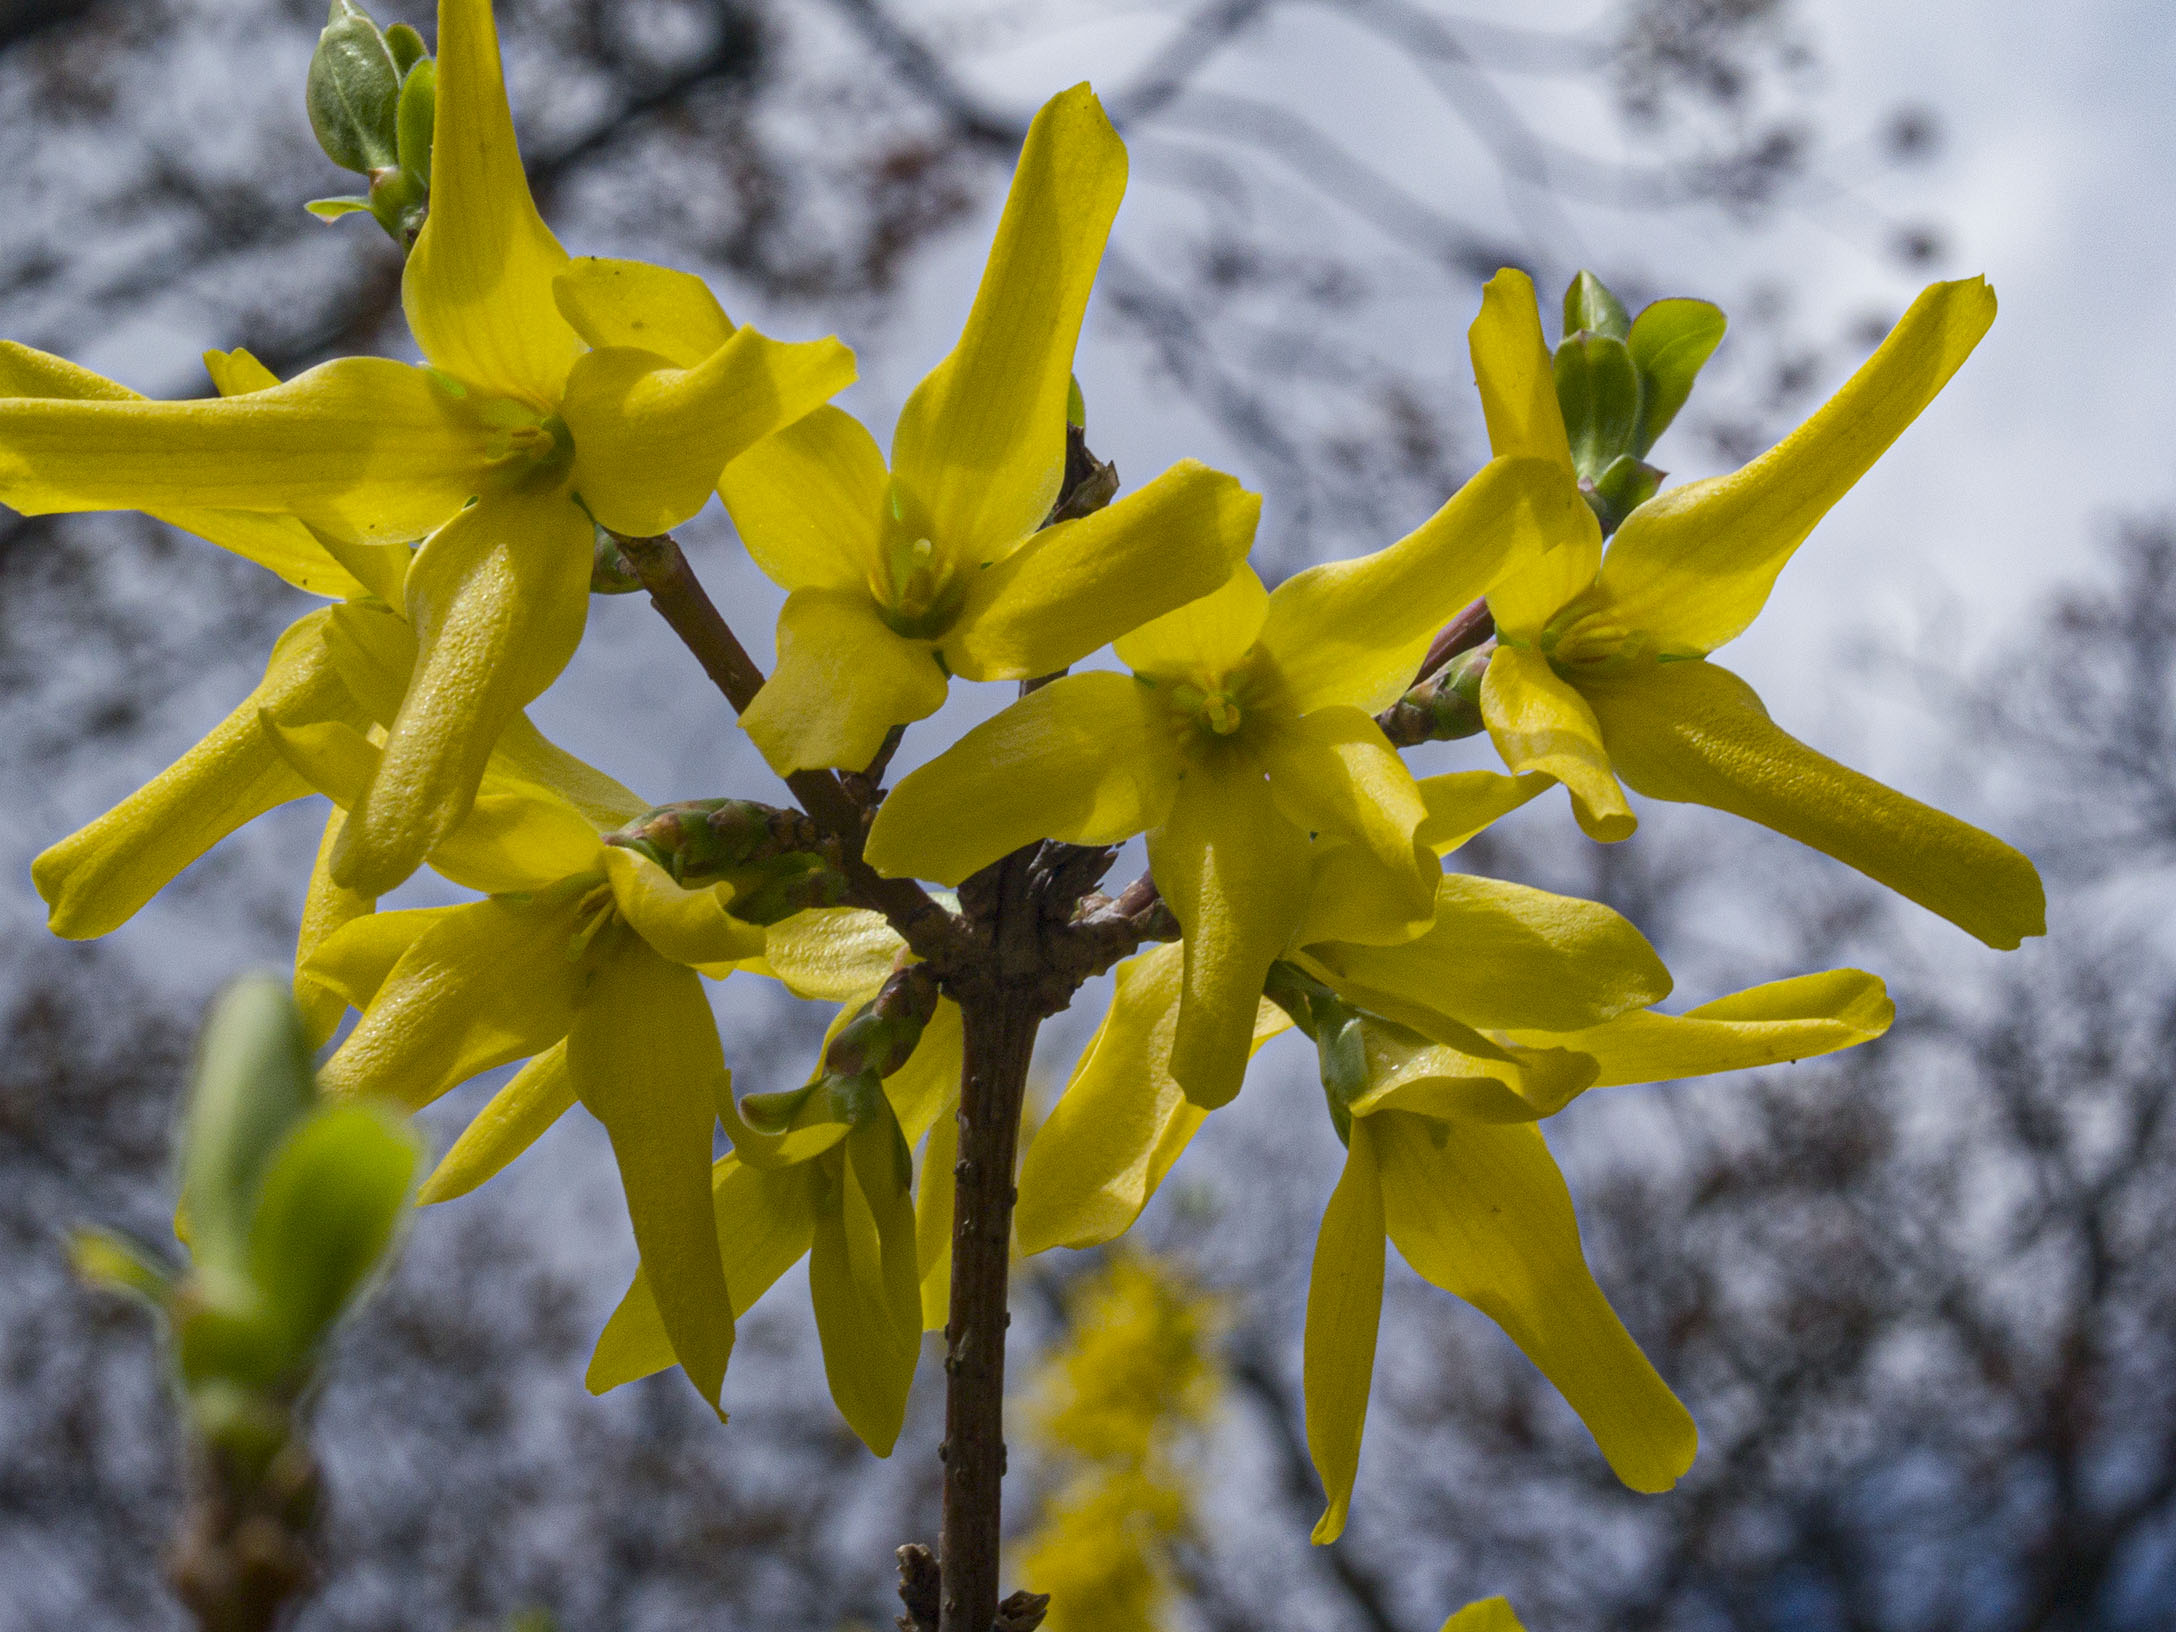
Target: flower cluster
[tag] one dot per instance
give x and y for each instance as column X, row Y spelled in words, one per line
column 456, row 515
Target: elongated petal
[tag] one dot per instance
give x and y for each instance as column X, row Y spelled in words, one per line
column 933, row 1207
column 1203, row 639
column 639, row 305
column 1511, row 365
column 356, row 959
column 1693, row 566
column 689, row 926
column 1089, row 758
column 97, row 878
column 1344, row 1313
column 1463, row 803
column 478, row 290
column 809, row 502
column 865, row 1283
column 498, row 598
column 843, row 680
column 765, row 1223
column 1504, row 955
column 832, row 954
column 643, row 1055
column 370, row 449
column 651, row 440
column 1075, row 587
column 1481, row 1210
column 1333, row 772
column 981, row 442
column 482, row 985
column 1792, row 1019
column 1354, row 631
column 1226, row 861
column 525, row 751
column 1486, row 1615
column 326, row 908
column 1539, row 723
column 926, row 1090
column 540, row 1094
column 1697, row 734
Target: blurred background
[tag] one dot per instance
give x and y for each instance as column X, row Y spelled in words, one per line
column 1922, row 1300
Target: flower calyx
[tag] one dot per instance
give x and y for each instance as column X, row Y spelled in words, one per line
column 776, row 861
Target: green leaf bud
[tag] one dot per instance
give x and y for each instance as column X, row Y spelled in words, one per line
column 1622, row 488
column 406, row 45
column 610, row 572
column 1076, row 405
column 1589, row 305
column 1670, row 343
column 1599, row 391
column 417, row 119
column 353, row 91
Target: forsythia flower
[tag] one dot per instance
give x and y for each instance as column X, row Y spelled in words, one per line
column 825, row 1171
column 1601, row 669
column 557, row 394
column 943, row 565
column 1245, row 726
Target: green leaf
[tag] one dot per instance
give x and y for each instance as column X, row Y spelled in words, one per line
column 331, row 209
column 1599, row 391
column 406, row 45
column 1671, row 341
column 113, row 1263
column 417, row 118
column 1589, row 305
column 352, row 91
column 253, row 1083
column 1624, row 487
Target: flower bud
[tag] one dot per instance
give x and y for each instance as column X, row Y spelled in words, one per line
column 1589, row 305
column 353, row 92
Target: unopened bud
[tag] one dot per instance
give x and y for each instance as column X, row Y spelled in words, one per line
column 353, row 92
column 1589, row 305
column 1444, row 707
column 610, row 572
column 772, row 858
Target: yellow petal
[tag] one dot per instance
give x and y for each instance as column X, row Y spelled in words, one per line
column 933, row 1197
column 498, row 597
column 355, row 960
column 1463, row 803
column 1076, row 586
column 374, row 648
column 650, row 308
column 925, row 1090
column 1792, row 1019
column 1480, row 1082
column 1089, row 758
column 1123, row 1119
column 1344, row 1312
column 981, row 442
column 525, row 751
column 482, row 985
column 1528, row 597
column 809, row 502
column 1351, row 896
column 1481, row 1211
column 651, row 439
column 643, row 1055
column 689, row 926
column 1355, row 631
column 540, row 1094
column 865, row 1283
column 1540, row 723
column 1511, row 365
column 1203, row 638
column 478, row 290
column 1488, row 1615
column 516, row 838
column 1694, row 565
column 372, row 450
column 832, row 954
column 843, row 680
column 1226, row 861
column 1504, row 955
column 326, row 908
column 94, row 880
column 1696, row 733
column 1332, row 772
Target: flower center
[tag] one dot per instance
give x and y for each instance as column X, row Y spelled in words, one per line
column 920, row 592
column 1214, row 709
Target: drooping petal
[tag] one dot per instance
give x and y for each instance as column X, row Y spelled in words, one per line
column 865, row 1283
column 498, row 597
column 1504, row 955
column 1480, row 1210
column 927, row 1088
column 356, row 959
column 934, row 1194
column 1792, row 1019
column 651, row 440
column 689, row 926
column 643, row 1055
column 482, row 985
column 1202, row 639
column 478, row 290
column 843, row 680
column 1089, row 759
column 1333, row 772
column 527, row 752
column 1413, row 1073
column 1226, row 861
column 326, row 908
column 809, row 502
column 636, row 304
column 370, row 449
column 1694, row 565
column 832, row 954
column 1355, row 631
column 981, row 442
column 1697, row 734
column 1540, row 723
column 1463, row 803
column 1344, row 1313
column 97, row 878
column 1078, row 585
column 1517, row 380
column 539, row 1095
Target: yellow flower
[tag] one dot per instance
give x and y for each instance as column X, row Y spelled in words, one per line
column 583, row 960
column 556, row 391
column 827, row 1174
column 1485, row 1615
column 1247, row 724
column 941, row 565
column 1602, row 671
